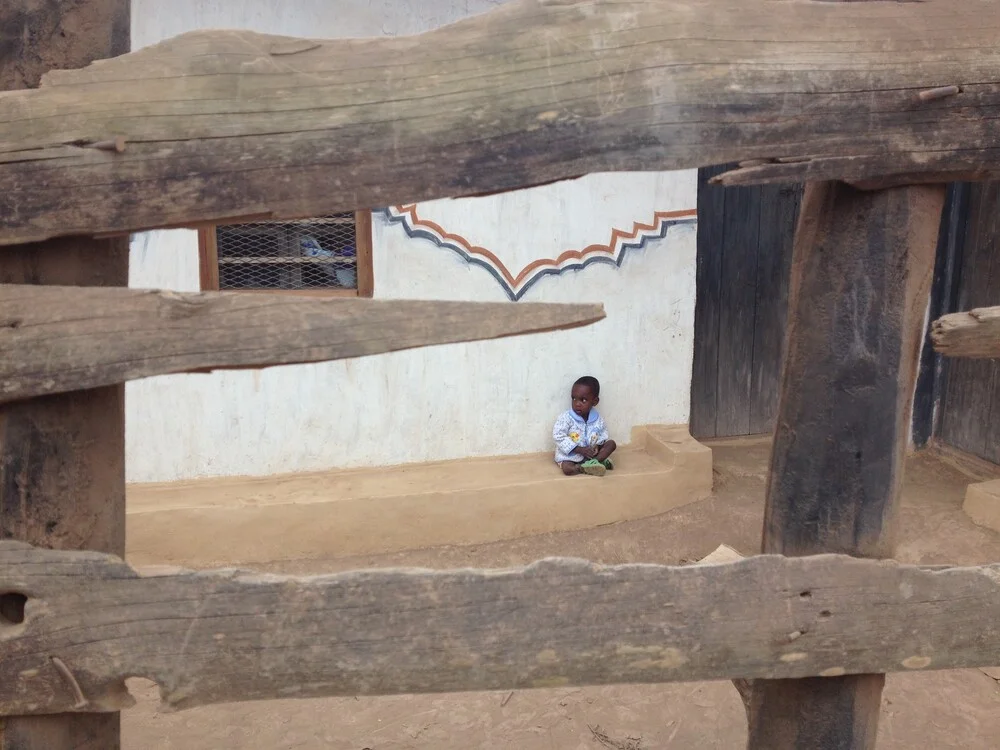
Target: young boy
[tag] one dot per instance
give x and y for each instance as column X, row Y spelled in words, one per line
column 582, row 441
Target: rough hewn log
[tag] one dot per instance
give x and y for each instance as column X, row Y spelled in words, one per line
column 860, row 278
column 974, row 334
column 861, row 272
column 90, row 621
column 62, row 458
column 56, row 339
column 220, row 124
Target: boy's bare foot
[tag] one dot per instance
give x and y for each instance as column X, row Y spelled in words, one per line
column 570, row 468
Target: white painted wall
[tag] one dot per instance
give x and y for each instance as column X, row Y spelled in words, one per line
column 480, row 399
column 155, row 20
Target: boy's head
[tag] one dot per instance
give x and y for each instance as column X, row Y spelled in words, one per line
column 586, row 395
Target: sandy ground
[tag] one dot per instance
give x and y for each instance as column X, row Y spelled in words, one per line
column 959, row 709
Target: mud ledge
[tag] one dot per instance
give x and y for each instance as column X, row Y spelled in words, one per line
column 389, row 509
column 982, row 504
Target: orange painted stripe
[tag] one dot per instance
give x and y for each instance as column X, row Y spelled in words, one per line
column 515, row 281
column 411, row 210
column 608, row 249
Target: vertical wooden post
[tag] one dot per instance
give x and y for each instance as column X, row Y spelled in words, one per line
column 861, row 270
column 62, row 458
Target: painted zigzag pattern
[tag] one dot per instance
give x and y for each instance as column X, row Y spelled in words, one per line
column 572, row 260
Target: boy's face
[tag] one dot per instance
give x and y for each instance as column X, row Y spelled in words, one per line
column 583, row 400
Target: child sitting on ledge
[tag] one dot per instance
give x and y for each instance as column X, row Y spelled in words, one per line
column 582, row 441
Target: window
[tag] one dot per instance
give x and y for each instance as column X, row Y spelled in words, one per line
column 327, row 256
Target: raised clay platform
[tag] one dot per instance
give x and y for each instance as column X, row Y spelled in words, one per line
column 367, row 511
column 982, row 503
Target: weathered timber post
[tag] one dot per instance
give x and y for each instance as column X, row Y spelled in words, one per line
column 62, row 458
column 861, row 271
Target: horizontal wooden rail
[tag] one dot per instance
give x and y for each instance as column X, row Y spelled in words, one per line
column 974, row 334
column 89, row 621
column 219, row 124
column 57, row 339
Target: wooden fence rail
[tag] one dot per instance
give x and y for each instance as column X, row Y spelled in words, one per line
column 90, row 621
column 56, row 339
column 218, row 124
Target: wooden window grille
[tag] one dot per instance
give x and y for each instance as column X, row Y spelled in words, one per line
column 327, row 256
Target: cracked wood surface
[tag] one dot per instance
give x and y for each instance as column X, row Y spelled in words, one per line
column 62, row 458
column 861, row 270
column 58, row 339
column 218, row 125
column 974, row 334
column 213, row 636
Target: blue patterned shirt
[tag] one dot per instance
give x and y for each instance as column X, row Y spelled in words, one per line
column 571, row 431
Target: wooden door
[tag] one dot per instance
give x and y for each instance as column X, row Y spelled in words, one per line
column 744, row 251
column 969, row 408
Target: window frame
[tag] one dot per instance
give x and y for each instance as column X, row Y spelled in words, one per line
column 208, row 263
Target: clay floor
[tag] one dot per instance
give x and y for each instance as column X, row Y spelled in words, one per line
column 931, row 710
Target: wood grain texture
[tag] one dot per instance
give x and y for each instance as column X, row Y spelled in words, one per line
column 708, row 304
column 973, row 334
column 43, row 36
column 861, row 271
column 62, row 458
column 814, row 713
column 221, row 124
column 860, row 280
column 744, row 254
column 992, row 451
column 779, row 210
column 740, row 245
column 208, row 259
column 365, row 254
column 970, row 409
column 217, row 636
column 57, row 339
column 62, row 469
column 931, row 381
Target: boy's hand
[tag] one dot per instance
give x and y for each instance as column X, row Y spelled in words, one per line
column 586, row 451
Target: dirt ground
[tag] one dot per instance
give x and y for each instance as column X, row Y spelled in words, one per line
column 959, row 709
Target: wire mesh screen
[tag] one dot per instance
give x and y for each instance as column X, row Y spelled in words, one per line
column 303, row 254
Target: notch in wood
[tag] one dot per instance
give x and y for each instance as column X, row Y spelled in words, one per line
column 941, row 92
column 116, row 144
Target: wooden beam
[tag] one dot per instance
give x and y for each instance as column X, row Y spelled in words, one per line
column 220, row 124
column 62, row 458
column 974, row 334
column 861, row 272
column 759, row 171
column 213, row 636
column 58, row 339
